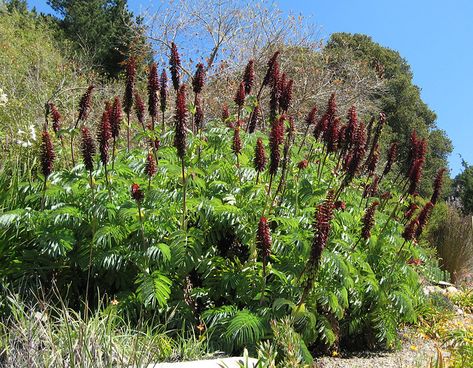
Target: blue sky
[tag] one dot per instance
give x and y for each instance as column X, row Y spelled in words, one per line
column 434, row 36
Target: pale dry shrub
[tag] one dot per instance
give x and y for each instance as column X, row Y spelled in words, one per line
column 452, row 235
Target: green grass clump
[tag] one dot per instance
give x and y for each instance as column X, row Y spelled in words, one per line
column 45, row 335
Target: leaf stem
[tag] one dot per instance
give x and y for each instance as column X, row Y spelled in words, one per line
column 184, row 189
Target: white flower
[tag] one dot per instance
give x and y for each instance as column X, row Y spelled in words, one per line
column 3, row 98
column 24, row 144
column 33, row 132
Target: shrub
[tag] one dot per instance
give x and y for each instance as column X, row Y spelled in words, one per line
column 452, row 234
column 184, row 241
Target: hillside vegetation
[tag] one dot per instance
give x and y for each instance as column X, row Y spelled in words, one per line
column 210, row 212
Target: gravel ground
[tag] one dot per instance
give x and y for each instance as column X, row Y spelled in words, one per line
column 416, row 352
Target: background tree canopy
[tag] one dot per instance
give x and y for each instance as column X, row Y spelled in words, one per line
column 106, row 31
column 463, row 188
column 401, row 100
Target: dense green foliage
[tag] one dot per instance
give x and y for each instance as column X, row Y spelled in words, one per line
column 209, row 273
column 401, row 101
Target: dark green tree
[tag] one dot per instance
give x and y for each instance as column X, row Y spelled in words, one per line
column 463, row 187
column 401, row 101
column 104, row 30
column 17, row 5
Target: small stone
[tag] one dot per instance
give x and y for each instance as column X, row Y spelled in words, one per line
column 452, row 290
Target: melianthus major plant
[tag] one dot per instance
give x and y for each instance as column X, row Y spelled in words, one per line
column 193, row 219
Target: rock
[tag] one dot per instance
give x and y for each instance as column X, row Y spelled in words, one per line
column 432, row 289
column 452, row 290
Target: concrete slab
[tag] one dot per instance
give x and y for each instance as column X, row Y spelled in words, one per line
column 235, row 362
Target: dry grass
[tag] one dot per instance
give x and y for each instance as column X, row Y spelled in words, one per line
column 45, row 336
column 452, row 235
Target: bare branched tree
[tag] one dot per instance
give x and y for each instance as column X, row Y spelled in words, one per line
column 225, row 33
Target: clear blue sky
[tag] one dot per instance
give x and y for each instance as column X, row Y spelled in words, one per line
column 434, row 36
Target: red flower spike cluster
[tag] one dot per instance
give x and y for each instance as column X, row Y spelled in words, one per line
column 47, row 154
column 263, row 241
column 281, row 83
column 410, row 211
column 181, row 122
column 88, row 149
column 285, row 97
column 325, row 123
column 392, row 155
column 249, row 76
column 276, row 138
column 273, row 102
column 240, row 95
column 116, row 117
column 199, row 78
column 323, row 217
column 350, row 129
column 163, row 90
column 340, row 205
column 225, row 113
column 437, row 185
column 199, row 113
column 372, row 189
column 332, row 135
column 137, row 193
column 332, row 106
column 378, row 131
column 153, row 90
column 130, row 84
column 236, row 145
column 354, row 158
column 368, row 220
column 140, row 109
column 150, row 167
column 416, row 160
column 104, row 135
column 85, row 104
column 415, row 175
column 419, row 149
column 175, row 65
column 321, row 127
column 260, row 156
column 270, row 72
column 423, row 218
column 373, row 160
column 303, row 164
column 410, row 230
column 310, row 119
column 255, row 117
column 56, row 116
